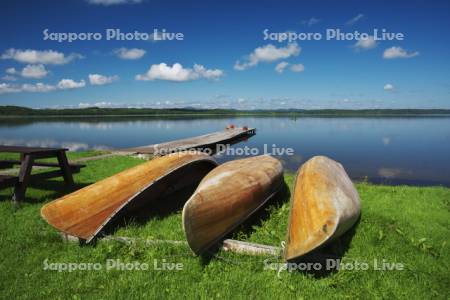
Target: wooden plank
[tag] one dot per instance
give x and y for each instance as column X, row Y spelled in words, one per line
column 198, row 142
column 53, row 174
column 228, row 245
column 250, row 248
column 147, row 242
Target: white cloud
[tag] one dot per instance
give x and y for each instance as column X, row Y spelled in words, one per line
column 9, row 78
column 113, row 2
column 211, row 74
column 297, row 68
column 398, row 52
column 388, row 87
column 11, row 71
column 97, row 104
column 97, row 79
column 29, row 71
column 311, row 21
column 40, row 87
column 65, row 84
column 133, row 53
column 46, row 57
column 354, row 19
column 365, row 44
column 34, row 71
column 178, row 73
column 281, row 66
column 32, row 88
column 37, row 88
column 268, row 53
column 8, row 88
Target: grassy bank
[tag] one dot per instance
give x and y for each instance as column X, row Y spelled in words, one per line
column 407, row 225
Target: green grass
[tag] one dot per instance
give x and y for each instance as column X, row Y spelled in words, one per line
column 408, row 225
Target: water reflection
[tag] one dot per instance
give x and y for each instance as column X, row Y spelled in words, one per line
column 72, row 146
column 387, row 150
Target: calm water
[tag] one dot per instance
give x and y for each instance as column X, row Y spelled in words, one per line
column 389, row 150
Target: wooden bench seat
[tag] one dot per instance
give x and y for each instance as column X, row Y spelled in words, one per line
column 4, row 164
column 8, row 181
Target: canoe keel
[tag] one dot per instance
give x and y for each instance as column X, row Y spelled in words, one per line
column 324, row 205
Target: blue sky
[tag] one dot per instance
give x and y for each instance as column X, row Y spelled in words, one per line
column 223, row 59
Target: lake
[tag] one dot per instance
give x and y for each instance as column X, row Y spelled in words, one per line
column 394, row 150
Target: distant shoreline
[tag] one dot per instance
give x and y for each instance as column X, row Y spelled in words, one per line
column 293, row 115
column 18, row 111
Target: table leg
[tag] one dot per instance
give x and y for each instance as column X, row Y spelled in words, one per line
column 65, row 168
column 24, row 179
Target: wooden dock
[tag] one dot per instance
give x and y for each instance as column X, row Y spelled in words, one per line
column 207, row 141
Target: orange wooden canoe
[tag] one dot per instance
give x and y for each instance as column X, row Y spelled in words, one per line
column 86, row 212
column 324, row 205
column 227, row 196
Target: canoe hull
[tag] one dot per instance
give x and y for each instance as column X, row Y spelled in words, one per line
column 97, row 207
column 324, row 205
column 227, row 196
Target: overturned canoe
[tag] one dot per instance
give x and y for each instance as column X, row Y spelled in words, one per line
column 227, row 196
column 324, row 205
column 86, row 212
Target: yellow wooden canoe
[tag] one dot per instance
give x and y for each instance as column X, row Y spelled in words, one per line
column 324, row 205
column 86, row 212
column 227, row 196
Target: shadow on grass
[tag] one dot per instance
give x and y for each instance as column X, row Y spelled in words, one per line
column 167, row 196
column 159, row 209
column 57, row 188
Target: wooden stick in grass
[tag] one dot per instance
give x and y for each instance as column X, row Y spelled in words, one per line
column 227, row 245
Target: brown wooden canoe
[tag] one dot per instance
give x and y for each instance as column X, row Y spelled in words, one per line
column 324, row 205
column 86, row 212
column 227, row 196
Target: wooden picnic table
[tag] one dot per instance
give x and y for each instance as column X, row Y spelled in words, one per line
column 28, row 159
